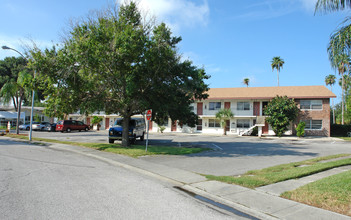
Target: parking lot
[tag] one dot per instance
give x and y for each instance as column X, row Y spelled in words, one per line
column 230, row 155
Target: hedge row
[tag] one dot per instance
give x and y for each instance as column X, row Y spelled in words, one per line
column 339, row 130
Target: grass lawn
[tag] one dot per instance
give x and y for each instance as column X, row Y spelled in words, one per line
column 270, row 175
column 332, row 193
column 346, row 138
column 132, row 151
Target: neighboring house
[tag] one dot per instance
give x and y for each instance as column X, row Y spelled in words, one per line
column 8, row 113
column 247, row 104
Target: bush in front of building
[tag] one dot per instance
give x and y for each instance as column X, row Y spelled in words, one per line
column 337, row 130
column 300, row 130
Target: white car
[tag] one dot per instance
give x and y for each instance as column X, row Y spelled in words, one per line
column 39, row 127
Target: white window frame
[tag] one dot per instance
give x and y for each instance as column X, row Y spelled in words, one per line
column 215, row 106
column 312, row 123
column 312, row 104
column 243, row 106
column 243, row 122
column 214, row 123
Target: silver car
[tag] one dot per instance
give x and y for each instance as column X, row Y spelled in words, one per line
column 39, row 127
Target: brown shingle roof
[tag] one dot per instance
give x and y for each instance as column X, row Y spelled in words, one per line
column 297, row 92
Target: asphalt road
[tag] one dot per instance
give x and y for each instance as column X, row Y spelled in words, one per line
column 231, row 155
column 38, row 182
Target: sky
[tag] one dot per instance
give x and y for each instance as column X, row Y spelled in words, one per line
column 231, row 39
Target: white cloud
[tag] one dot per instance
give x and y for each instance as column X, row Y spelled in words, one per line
column 176, row 13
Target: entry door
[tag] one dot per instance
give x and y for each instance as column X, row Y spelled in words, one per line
column 265, row 128
column 107, row 123
column 88, row 121
column 199, row 125
column 256, row 109
column 150, row 125
column 227, row 127
column 200, row 108
column 227, row 105
column 174, row 126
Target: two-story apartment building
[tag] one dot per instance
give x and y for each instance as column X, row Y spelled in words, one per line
column 248, row 103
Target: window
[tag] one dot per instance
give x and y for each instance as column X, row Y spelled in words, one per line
column 243, row 106
column 215, row 106
column 313, row 124
column 311, row 104
column 243, row 123
column 214, row 123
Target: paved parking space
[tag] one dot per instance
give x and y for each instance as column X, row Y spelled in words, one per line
column 231, row 155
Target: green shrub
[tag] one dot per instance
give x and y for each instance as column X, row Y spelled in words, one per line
column 300, row 130
column 337, row 130
column 254, row 131
column 162, row 128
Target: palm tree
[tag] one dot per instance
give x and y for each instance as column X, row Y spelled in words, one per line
column 330, row 80
column 342, row 63
column 223, row 115
column 16, row 92
column 277, row 63
column 246, row 81
column 339, row 48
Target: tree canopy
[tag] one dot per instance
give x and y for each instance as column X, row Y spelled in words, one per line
column 281, row 111
column 115, row 62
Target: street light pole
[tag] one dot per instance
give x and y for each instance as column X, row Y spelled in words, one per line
column 31, row 111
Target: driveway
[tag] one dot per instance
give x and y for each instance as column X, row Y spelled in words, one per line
column 230, row 155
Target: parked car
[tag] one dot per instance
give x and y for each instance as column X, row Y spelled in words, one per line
column 50, row 127
column 27, row 126
column 39, row 126
column 136, row 130
column 70, row 125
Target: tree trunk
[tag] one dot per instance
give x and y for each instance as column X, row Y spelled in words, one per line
column 125, row 132
column 224, row 127
column 331, row 88
column 278, row 77
column 342, row 99
column 18, row 114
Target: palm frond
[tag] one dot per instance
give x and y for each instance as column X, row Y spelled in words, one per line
column 325, row 6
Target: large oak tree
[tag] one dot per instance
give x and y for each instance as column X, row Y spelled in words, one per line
column 117, row 63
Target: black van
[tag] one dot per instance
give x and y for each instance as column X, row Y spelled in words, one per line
column 136, row 130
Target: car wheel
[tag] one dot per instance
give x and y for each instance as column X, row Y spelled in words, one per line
column 87, row 129
column 111, row 141
column 142, row 137
column 27, row 128
column 68, row 130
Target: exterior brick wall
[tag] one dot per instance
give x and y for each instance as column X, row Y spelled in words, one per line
column 323, row 115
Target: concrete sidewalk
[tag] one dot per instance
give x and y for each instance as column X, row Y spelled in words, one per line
column 257, row 203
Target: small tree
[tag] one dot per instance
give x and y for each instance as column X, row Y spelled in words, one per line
column 246, row 81
column 223, row 115
column 281, row 111
column 300, row 130
column 96, row 120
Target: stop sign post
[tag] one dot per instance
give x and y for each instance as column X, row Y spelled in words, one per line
column 148, row 118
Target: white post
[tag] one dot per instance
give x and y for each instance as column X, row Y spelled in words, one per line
column 259, row 131
column 147, row 135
